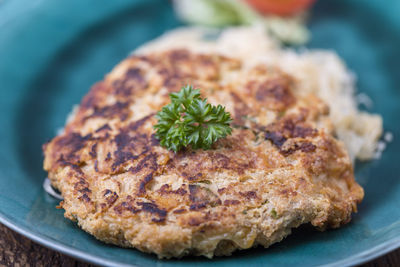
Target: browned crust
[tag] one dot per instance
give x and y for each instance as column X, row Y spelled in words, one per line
column 108, row 163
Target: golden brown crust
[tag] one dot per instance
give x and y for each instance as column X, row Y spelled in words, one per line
column 281, row 166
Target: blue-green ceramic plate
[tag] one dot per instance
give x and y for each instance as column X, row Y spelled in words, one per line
column 52, row 51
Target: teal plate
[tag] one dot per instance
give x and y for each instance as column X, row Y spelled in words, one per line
column 52, row 51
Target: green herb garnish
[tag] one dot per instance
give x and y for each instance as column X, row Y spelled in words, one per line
column 190, row 120
column 205, row 181
column 274, row 214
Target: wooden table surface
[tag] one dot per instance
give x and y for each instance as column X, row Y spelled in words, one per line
column 16, row 250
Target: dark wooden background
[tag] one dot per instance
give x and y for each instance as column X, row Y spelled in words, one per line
column 16, row 250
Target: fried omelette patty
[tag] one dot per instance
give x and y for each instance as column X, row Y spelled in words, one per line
column 280, row 168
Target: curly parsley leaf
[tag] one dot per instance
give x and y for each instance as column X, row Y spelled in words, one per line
column 190, row 120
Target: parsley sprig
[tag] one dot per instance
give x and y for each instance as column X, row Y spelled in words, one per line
column 190, row 121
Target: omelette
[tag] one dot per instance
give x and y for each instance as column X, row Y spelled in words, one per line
column 281, row 167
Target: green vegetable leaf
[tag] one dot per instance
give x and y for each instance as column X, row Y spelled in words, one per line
column 190, row 121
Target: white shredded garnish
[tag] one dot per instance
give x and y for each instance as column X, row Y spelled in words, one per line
column 388, row 137
column 365, row 100
column 50, row 190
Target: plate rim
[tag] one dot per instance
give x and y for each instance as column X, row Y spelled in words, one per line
column 359, row 258
column 68, row 250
